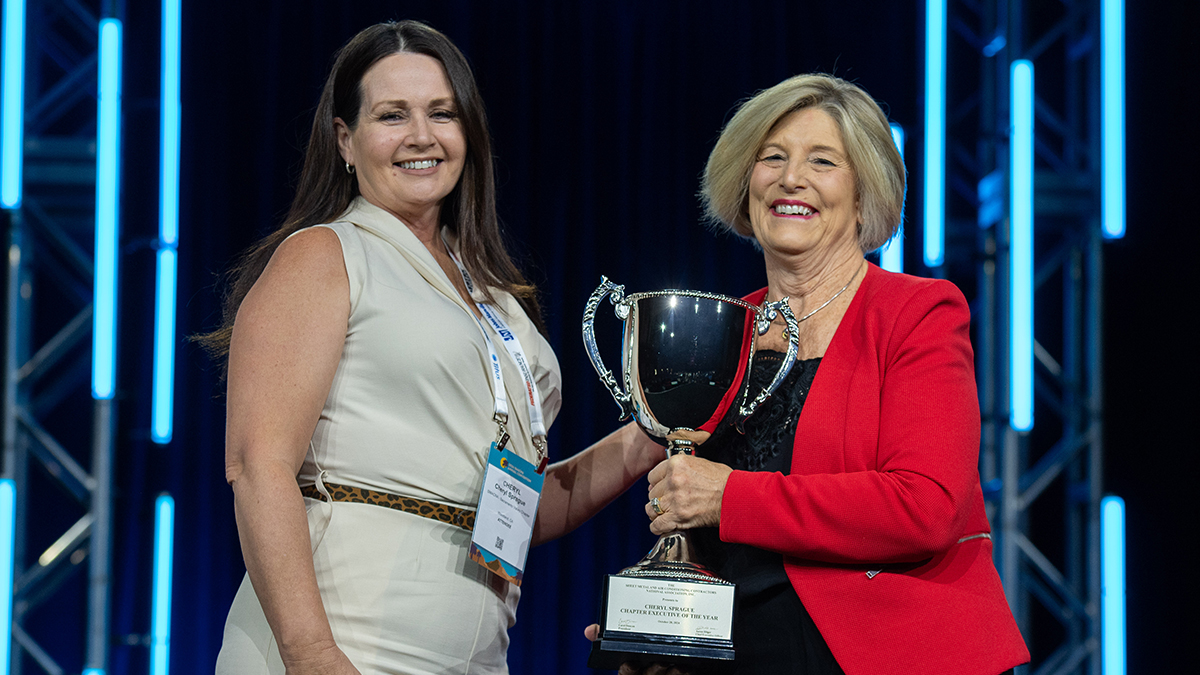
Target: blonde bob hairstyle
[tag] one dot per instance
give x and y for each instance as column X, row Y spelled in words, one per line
column 878, row 169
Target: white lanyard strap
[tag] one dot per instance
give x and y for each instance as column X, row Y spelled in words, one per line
column 533, row 398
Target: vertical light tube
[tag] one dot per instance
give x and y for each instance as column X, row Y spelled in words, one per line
column 168, row 219
column 108, row 188
column 935, row 132
column 160, row 614
column 891, row 256
column 1021, row 247
column 1112, row 580
column 1112, row 118
column 164, row 346
column 163, row 395
column 8, row 529
column 12, row 108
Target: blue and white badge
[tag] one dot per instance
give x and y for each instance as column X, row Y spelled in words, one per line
column 507, row 509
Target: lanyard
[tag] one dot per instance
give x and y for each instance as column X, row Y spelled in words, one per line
column 513, row 345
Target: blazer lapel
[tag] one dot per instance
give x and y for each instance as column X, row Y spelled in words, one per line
column 823, row 419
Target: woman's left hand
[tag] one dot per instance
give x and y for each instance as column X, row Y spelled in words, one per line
column 689, row 491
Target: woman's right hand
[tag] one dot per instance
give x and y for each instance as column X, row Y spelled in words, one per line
column 328, row 660
column 688, row 490
column 592, row 633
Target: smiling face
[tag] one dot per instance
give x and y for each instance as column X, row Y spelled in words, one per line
column 803, row 197
column 407, row 146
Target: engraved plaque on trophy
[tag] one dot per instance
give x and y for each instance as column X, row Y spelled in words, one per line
column 684, row 359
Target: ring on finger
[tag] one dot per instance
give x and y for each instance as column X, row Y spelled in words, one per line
column 657, row 506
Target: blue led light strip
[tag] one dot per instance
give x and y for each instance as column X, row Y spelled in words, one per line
column 8, row 530
column 164, row 347
column 168, row 221
column 163, row 398
column 891, row 256
column 935, row 132
column 12, row 108
column 108, row 186
column 1021, row 247
column 160, row 614
column 1112, row 585
column 1112, row 118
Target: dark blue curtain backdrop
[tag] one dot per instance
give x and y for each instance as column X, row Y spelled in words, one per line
column 603, row 114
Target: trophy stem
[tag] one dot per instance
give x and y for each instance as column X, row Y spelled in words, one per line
column 680, row 446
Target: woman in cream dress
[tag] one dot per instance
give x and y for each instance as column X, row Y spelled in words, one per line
column 359, row 378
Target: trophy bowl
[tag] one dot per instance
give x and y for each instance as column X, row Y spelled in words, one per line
column 684, row 359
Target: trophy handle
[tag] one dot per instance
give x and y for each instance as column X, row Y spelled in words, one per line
column 606, row 288
column 763, row 318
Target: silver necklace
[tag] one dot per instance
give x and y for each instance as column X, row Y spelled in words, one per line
column 834, row 295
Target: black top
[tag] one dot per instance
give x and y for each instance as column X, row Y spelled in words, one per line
column 772, row 632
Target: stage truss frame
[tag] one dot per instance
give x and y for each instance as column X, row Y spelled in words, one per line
column 56, row 467
column 1044, row 486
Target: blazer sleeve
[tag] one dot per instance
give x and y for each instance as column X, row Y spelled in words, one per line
column 897, row 424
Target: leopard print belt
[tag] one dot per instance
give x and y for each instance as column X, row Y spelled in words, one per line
column 451, row 515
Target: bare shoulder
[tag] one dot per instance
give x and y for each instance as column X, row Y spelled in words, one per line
column 305, row 275
column 313, row 251
column 308, row 261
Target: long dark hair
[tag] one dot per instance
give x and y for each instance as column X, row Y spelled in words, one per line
column 325, row 189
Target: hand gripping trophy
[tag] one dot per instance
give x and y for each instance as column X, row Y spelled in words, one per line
column 684, row 359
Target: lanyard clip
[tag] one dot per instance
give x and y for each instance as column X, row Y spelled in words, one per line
column 539, row 442
column 501, row 431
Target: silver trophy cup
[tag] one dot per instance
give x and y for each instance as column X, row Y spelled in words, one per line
column 684, row 359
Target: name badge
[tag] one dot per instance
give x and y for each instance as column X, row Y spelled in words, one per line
column 504, row 518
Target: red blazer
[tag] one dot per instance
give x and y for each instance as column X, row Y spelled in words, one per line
column 885, row 477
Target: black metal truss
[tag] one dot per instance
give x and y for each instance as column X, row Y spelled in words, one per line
column 1043, row 487
column 58, row 441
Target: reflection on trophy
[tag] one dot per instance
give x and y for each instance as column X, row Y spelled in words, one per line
column 684, row 360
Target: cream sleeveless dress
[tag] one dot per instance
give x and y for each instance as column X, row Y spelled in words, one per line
column 410, row 413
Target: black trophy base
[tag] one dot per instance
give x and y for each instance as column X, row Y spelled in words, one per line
column 609, row 652
column 658, row 587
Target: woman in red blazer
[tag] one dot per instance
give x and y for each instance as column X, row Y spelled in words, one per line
column 850, row 513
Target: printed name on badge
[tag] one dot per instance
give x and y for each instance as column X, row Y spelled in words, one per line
column 507, row 509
